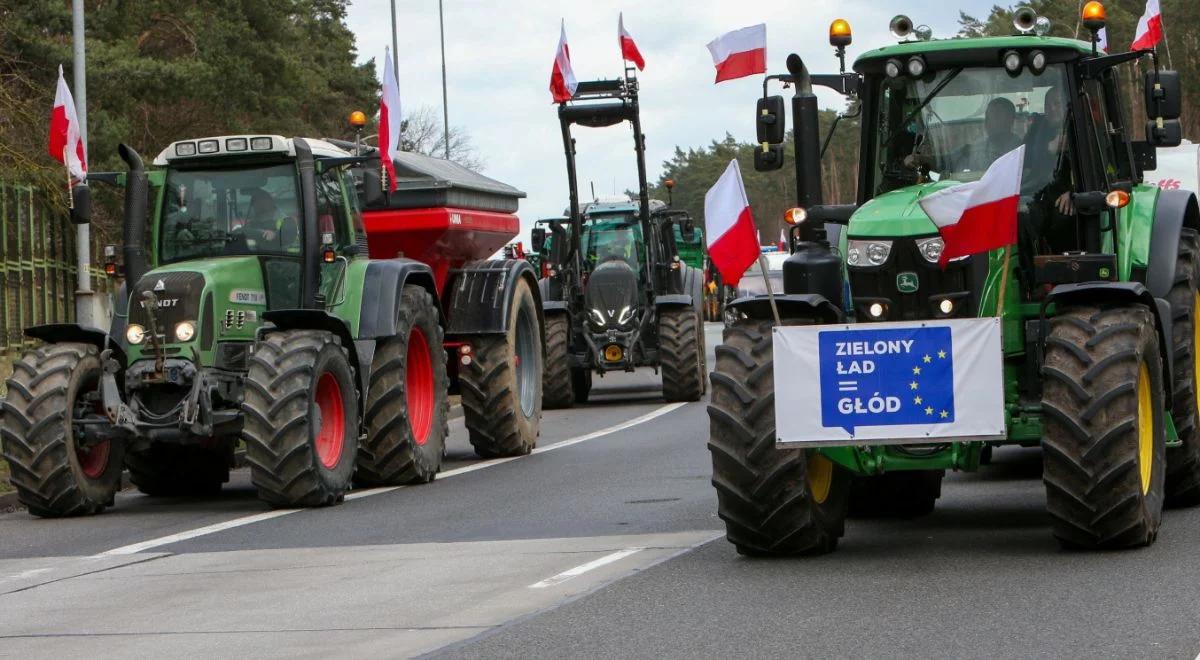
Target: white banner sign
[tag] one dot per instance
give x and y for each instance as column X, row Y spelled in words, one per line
column 889, row 383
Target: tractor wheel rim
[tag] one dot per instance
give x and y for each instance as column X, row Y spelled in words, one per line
column 93, row 461
column 418, row 379
column 331, row 436
column 1196, row 347
column 524, row 363
column 1145, row 428
column 820, row 477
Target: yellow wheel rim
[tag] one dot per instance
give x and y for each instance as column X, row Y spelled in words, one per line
column 1196, row 344
column 1145, row 427
column 820, row 477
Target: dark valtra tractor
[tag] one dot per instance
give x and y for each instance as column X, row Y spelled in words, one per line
column 615, row 293
column 1100, row 319
column 269, row 308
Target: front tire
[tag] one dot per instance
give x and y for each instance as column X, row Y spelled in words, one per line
column 557, row 388
column 681, row 353
column 773, row 502
column 407, row 407
column 502, row 386
column 1104, row 446
column 54, row 476
column 301, row 426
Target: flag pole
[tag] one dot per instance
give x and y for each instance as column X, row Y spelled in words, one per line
column 762, row 264
column 1003, row 281
column 445, row 96
column 70, row 197
column 83, row 235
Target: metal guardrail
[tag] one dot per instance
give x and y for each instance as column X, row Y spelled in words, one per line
column 37, row 268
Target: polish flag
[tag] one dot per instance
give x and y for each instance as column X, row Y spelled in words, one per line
column 729, row 226
column 981, row 215
column 389, row 120
column 66, row 145
column 740, row 53
column 562, row 77
column 1149, row 28
column 629, row 49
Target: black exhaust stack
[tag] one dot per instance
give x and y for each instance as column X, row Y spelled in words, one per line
column 137, row 187
column 807, row 135
column 310, row 273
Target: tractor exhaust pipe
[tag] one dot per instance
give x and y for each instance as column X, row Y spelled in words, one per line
column 137, row 189
column 807, row 135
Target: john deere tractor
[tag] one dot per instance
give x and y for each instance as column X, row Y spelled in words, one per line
column 1099, row 315
column 252, row 311
column 616, row 294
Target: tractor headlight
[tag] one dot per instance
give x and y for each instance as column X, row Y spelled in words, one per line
column 184, row 331
column 931, row 248
column 135, row 334
column 916, row 66
column 625, row 316
column 598, row 317
column 868, row 253
column 1012, row 62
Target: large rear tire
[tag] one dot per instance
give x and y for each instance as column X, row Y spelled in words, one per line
column 906, row 494
column 53, row 475
column 1104, row 458
column 681, row 353
column 502, row 386
column 301, row 427
column 1183, row 462
column 557, row 389
column 407, row 406
column 164, row 470
column 773, row 502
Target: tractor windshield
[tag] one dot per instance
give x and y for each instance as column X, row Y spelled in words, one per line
column 955, row 123
column 613, row 237
column 221, row 212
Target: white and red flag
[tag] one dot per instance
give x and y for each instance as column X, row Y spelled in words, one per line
column 66, row 143
column 1102, row 39
column 729, row 226
column 1149, row 28
column 981, row 215
column 389, row 120
column 629, row 49
column 740, row 53
column 562, row 77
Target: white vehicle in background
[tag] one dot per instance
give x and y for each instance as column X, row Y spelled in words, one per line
column 1178, row 168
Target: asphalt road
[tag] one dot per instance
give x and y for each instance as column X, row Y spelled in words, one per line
column 604, row 543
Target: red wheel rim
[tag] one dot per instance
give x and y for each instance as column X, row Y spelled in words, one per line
column 418, row 378
column 331, row 436
column 94, row 460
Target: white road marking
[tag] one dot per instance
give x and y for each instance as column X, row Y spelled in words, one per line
column 25, row 574
column 278, row 513
column 584, row 568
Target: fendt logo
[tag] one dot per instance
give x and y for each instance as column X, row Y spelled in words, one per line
column 159, row 286
column 165, row 302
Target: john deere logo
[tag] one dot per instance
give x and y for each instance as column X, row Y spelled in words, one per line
column 907, row 282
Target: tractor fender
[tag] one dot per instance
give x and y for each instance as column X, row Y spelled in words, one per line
column 551, row 290
column 480, row 294
column 61, row 333
column 383, row 286
column 1176, row 210
column 361, row 352
column 555, row 306
column 806, row 305
column 1136, row 292
column 673, row 300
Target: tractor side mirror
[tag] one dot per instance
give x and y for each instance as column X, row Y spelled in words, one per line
column 537, row 236
column 372, row 188
column 687, row 229
column 1163, row 94
column 772, row 120
column 1089, row 203
column 768, row 157
column 81, row 204
column 558, row 243
column 1169, row 134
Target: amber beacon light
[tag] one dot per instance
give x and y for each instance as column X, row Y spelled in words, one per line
column 1094, row 15
column 839, row 33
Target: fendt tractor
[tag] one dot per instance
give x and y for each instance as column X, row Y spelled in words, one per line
column 1098, row 325
column 616, row 295
column 261, row 305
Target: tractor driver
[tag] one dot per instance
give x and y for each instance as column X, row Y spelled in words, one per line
column 998, row 139
column 1046, row 143
column 268, row 225
column 618, row 247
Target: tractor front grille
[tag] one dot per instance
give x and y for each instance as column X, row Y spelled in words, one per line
column 178, row 296
column 881, row 284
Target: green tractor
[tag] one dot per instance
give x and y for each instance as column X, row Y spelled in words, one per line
column 1097, row 304
column 255, row 309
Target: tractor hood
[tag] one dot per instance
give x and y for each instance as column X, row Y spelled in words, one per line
column 896, row 213
column 222, row 298
column 612, row 295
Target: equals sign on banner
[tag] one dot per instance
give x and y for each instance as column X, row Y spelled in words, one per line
column 847, row 385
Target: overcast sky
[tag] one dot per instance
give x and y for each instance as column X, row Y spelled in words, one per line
column 499, row 55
